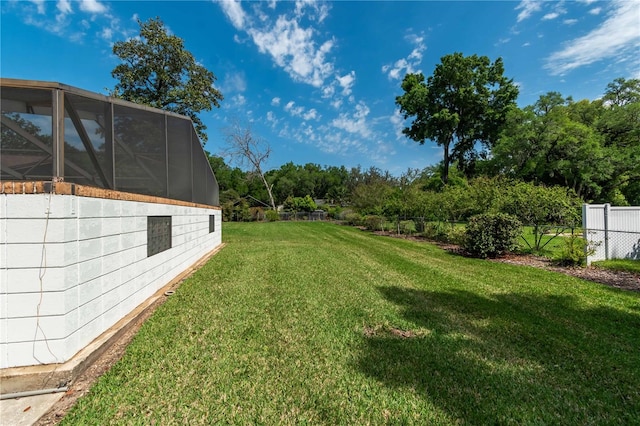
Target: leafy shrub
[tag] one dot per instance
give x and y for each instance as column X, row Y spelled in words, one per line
column 435, row 231
column 353, row 219
column 272, row 215
column 334, row 212
column 455, row 235
column 407, row 227
column 575, row 250
column 492, row 234
column 373, row 222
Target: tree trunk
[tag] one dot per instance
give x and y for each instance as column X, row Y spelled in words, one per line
column 266, row 185
column 445, row 164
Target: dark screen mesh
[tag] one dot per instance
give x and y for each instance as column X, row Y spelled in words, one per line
column 106, row 144
column 26, row 140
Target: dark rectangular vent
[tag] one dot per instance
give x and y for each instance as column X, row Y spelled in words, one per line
column 212, row 223
column 158, row 234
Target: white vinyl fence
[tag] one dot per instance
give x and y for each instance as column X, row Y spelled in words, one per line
column 613, row 232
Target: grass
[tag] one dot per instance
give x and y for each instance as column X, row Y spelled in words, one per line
column 551, row 245
column 625, row 265
column 313, row 323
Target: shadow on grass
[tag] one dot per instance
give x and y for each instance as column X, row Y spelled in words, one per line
column 510, row 358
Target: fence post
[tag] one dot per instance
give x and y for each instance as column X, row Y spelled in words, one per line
column 585, row 230
column 606, row 231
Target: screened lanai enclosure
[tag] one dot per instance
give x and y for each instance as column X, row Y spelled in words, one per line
column 105, row 205
column 53, row 131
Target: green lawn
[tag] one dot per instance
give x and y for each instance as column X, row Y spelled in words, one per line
column 314, row 323
column 626, row 265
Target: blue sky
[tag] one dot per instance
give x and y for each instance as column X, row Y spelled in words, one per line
column 318, row 80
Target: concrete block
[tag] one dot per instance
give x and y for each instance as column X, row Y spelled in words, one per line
column 127, row 241
column 33, row 256
column 111, row 208
column 89, row 207
column 90, row 290
column 88, row 314
column 111, row 226
column 90, row 269
column 89, row 228
column 4, row 354
column 27, row 280
column 49, row 352
column 110, row 299
column 70, row 252
column 131, row 224
column 25, row 206
column 22, row 305
column 89, row 249
column 111, row 262
column 111, row 244
column 44, row 328
column 111, row 280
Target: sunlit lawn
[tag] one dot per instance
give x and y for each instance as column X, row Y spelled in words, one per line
column 324, row 324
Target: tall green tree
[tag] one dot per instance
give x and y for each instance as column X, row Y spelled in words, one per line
column 158, row 71
column 462, row 107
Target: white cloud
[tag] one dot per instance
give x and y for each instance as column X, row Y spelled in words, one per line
column 318, row 10
column 569, row 21
column 40, row 6
column 346, row 82
column 234, row 12
column 106, row 34
column 64, row 6
column 92, row 6
column 550, row 16
column 397, row 121
column 614, row 38
column 275, row 101
column 526, row 44
column 356, row 123
column 595, row 11
column 294, row 49
column 295, row 111
column 238, row 100
column 312, row 114
column 529, row 7
column 234, row 82
column 409, row 64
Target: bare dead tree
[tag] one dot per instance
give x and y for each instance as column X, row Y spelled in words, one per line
column 248, row 150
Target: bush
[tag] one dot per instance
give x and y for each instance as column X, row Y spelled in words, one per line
column 489, row 235
column 455, row 235
column 374, row 223
column 574, row 251
column 272, row 215
column 353, row 219
column 407, row 227
column 435, row 231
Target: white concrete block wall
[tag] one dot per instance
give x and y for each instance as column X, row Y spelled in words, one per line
column 84, row 262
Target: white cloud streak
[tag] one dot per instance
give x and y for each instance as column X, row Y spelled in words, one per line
column 92, row 6
column 234, row 12
column 614, row 39
column 528, row 8
column 292, row 47
column 409, row 64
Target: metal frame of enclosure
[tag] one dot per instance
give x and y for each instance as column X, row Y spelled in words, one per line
column 55, row 132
